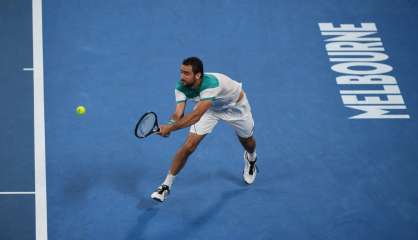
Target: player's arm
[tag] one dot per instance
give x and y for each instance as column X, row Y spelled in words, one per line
column 193, row 117
column 179, row 113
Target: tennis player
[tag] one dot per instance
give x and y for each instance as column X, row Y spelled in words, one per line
column 217, row 97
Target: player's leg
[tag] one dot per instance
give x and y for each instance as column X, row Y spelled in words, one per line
column 250, row 159
column 248, row 143
column 178, row 163
column 197, row 132
column 242, row 120
column 184, row 152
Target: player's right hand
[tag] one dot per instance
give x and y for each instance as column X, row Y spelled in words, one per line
column 164, row 130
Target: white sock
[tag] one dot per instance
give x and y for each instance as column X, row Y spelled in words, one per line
column 169, row 180
column 252, row 156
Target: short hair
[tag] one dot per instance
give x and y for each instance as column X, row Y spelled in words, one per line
column 197, row 64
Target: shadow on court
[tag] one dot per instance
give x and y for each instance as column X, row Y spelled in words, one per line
column 234, row 177
column 143, row 220
column 190, row 226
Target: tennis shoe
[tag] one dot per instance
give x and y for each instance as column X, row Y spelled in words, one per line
column 161, row 193
column 250, row 169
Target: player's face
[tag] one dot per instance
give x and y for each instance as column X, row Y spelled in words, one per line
column 188, row 78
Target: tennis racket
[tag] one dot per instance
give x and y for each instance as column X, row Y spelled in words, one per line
column 147, row 125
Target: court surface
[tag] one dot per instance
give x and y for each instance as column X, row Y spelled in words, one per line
column 323, row 174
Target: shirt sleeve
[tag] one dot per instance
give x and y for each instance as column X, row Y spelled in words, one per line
column 180, row 96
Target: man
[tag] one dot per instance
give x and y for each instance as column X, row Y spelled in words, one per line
column 217, row 98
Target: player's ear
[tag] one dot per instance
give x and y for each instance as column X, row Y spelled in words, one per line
column 199, row 75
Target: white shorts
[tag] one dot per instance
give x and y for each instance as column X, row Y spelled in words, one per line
column 238, row 116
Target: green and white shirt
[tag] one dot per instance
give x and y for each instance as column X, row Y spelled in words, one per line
column 222, row 90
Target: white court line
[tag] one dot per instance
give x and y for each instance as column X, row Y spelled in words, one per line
column 17, row 193
column 27, row 69
column 39, row 123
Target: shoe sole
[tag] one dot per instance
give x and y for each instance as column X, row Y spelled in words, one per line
column 246, row 181
column 157, row 199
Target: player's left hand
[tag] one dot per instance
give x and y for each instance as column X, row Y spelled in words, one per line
column 164, row 130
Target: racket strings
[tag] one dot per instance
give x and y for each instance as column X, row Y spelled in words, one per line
column 146, row 125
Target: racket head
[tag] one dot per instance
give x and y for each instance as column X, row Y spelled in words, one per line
column 147, row 125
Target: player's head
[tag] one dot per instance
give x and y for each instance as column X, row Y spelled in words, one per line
column 191, row 70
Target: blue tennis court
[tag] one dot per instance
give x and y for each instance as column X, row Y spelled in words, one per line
column 333, row 91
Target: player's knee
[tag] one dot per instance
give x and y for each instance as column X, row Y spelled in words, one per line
column 189, row 147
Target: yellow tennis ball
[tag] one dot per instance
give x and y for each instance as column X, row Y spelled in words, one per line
column 81, row 110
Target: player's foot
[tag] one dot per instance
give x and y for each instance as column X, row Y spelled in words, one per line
column 161, row 193
column 250, row 169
